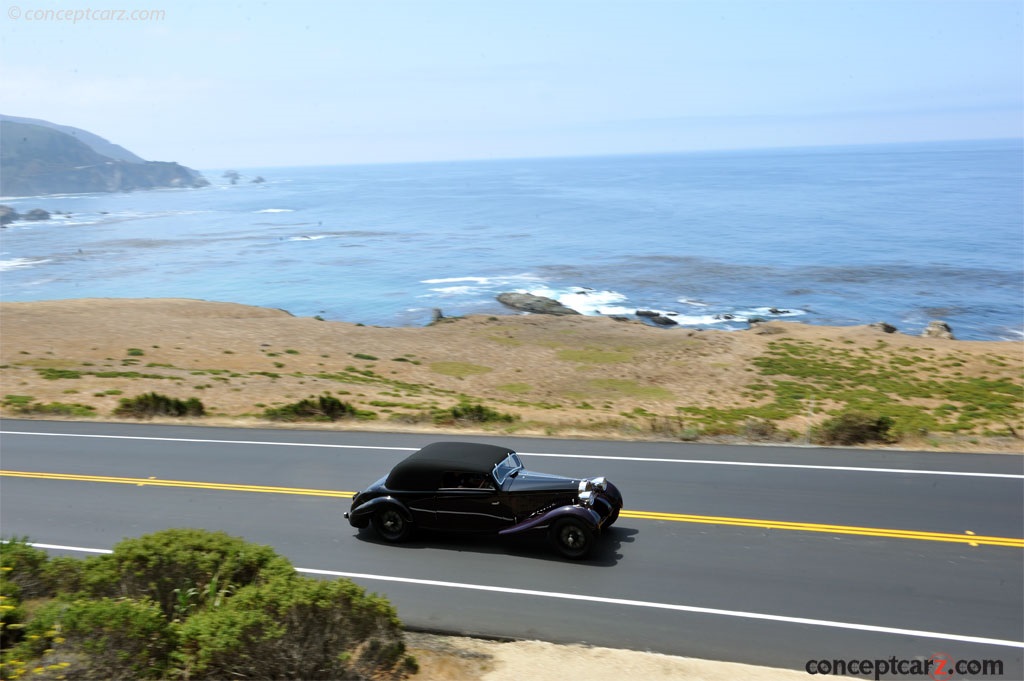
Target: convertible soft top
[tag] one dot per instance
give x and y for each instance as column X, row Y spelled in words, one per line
column 422, row 470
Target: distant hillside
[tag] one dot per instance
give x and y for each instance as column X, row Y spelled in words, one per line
column 44, row 159
column 95, row 142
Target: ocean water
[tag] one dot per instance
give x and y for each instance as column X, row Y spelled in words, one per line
column 846, row 235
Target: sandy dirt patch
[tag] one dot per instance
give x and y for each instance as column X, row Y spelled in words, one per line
column 449, row 658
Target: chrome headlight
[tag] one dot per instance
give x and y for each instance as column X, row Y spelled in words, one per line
column 587, row 499
column 585, row 486
column 600, row 484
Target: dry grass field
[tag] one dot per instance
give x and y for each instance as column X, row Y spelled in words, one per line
column 526, row 374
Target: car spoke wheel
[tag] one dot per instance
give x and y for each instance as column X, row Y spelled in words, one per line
column 572, row 537
column 391, row 525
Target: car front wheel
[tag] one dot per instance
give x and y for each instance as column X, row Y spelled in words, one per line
column 391, row 525
column 572, row 537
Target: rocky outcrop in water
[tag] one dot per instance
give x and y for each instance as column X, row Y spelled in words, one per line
column 656, row 317
column 7, row 215
column 527, row 302
column 938, row 329
column 38, row 160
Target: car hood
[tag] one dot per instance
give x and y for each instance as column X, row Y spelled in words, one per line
column 530, row 481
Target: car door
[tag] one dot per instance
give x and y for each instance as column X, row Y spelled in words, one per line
column 469, row 502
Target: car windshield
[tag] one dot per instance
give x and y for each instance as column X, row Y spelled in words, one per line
column 507, row 467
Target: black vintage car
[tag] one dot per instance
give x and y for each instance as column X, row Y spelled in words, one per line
column 467, row 487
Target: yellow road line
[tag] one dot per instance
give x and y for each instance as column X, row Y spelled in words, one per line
column 972, row 539
column 154, row 482
column 966, row 538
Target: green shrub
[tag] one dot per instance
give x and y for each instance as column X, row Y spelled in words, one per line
column 854, row 427
column 295, row 628
column 25, row 566
column 191, row 604
column 101, row 639
column 12, row 613
column 24, row 404
column 322, row 408
column 181, row 569
column 57, row 374
column 467, row 412
column 153, row 404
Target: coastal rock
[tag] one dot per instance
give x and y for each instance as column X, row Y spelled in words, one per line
column 938, row 329
column 657, row 318
column 884, row 327
column 527, row 302
column 36, row 214
column 775, row 310
column 7, row 215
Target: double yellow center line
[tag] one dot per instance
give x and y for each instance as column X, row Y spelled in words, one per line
column 155, row 482
column 967, row 537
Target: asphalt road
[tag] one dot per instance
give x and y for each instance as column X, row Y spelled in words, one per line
column 764, row 555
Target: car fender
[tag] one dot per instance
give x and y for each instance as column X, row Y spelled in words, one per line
column 613, row 493
column 587, row 515
column 366, row 510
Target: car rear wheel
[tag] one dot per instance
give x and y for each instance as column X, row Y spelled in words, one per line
column 391, row 525
column 572, row 537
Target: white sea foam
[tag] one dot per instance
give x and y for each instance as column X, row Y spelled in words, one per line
column 766, row 313
column 311, row 237
column 452, row 280
column 448, row 291
column 275, row 210
column 585, row 300
column 21, row 263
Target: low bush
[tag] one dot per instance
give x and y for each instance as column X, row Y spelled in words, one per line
column 322, row 408
column 24, row 404
column 190, row 604
column 759, row 429
column 24, row 566
column 100, row 639
column 12, row 613
column 297, row 628
column 182, row 569
column 153, row 404
column 466, row 412
column 854, row 427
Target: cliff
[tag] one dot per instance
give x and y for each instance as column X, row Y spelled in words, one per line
column 38, row 159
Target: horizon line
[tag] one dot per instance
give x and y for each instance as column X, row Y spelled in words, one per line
column 627, row 154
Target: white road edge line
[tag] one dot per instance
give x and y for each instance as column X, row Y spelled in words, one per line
column 625, row 601
column 707, row 462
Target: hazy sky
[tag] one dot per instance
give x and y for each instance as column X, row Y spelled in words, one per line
column 247, row 84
